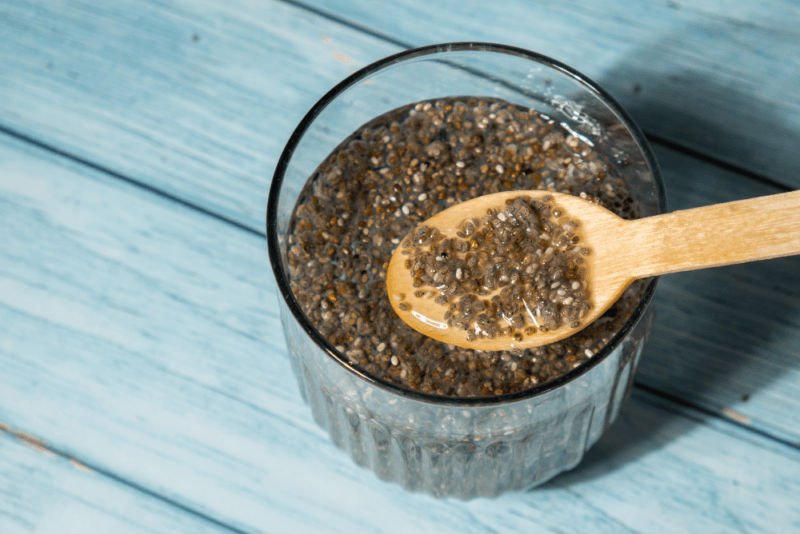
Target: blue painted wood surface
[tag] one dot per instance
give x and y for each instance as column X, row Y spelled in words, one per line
column 717, row 77
column 43, row 492
column 138, row 319
column 194, row 98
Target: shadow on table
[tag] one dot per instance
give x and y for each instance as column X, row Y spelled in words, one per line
column 723, row 99
column 716, row 342
column 720, row 335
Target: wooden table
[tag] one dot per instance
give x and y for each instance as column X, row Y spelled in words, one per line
column 144, row 378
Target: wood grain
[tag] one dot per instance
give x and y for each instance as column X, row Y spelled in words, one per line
column 143, row 341
column 42, row 492
column 194, row 98
column 754, row 229
column 717, row 77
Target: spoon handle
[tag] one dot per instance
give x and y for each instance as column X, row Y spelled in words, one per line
column 722, row 234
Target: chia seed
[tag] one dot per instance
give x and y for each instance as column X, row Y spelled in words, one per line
column 401, row 169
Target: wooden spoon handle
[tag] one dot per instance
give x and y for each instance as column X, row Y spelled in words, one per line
column 723, row 234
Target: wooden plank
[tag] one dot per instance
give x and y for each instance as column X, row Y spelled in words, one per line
column 144, row 342
column 43, row 492
column 718, row 77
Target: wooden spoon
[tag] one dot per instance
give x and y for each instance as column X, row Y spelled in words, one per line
column 621, row 251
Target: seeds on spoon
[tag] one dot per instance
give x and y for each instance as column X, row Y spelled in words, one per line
column 516, row 271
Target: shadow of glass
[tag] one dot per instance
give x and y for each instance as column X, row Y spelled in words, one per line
column 643, row 427
column 720, row 88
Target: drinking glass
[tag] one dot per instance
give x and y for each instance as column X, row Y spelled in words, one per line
column 463, row 447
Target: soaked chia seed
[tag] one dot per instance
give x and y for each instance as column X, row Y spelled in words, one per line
column 401, row 169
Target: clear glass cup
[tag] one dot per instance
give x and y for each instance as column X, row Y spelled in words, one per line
column 462, row 447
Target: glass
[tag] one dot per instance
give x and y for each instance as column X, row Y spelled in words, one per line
column 462, row 447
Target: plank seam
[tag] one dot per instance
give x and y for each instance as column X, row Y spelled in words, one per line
column 725, row 165
column 711, row 413
column 41, row 446
column 132, row 181
column 348, row 23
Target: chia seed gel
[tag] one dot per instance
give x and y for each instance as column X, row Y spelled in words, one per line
column 401, row 169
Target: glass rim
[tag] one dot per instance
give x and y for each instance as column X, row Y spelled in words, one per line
column 281, row 276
